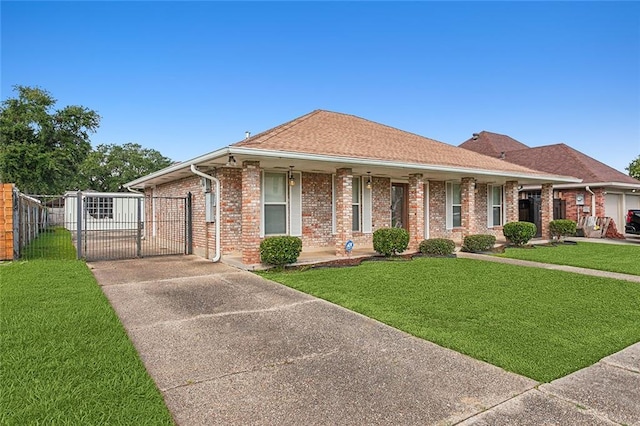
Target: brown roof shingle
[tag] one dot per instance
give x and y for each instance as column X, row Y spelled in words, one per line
column 562, row 159
column 329, row 133
column 492, row 144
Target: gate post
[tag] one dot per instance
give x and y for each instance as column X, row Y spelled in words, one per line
column 79, row 217
column 188, row 226
column 139, row 226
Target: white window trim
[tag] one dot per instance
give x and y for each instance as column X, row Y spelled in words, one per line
column 449, row 203
column 490, row 206
column 358, row 203
column 365, row 227
column 263, row 203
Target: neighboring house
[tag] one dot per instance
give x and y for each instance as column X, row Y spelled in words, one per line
column 103, row 211
column 603, row 192
column 329, row 178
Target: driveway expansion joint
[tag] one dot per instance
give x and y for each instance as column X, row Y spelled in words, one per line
column 619, row 366
column 578, row 404
column 480, row 413
column 225, row 314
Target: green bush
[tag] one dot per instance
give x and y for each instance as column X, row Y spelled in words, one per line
column 562, row 228
column 280, row 251
column 390, row 241
column 478, row 243
column 437, row 246
column 519, row 233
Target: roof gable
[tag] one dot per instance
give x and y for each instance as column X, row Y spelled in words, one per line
column 341, row 135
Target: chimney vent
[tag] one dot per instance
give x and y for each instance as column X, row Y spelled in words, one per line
column 502, row 155
column 474, row 136
column 247, row 134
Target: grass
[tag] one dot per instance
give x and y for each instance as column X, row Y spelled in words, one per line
column 605, row 257
column 52, row 243
column 540, row 323
column 65, row 358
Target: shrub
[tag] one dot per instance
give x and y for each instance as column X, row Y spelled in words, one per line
column 519, row 233
column 390, row 241
column 280, row 251
column 562, row 228
column 437, row 246
column 478, row 243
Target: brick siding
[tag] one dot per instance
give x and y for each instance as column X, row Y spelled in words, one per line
column 6, row 221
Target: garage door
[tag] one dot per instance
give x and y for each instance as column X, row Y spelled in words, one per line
column 632, row 201
column 613, row 208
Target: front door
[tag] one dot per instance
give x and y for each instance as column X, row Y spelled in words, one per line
column 400, row 205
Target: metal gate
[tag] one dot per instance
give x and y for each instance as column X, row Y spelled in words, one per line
column 104, row 226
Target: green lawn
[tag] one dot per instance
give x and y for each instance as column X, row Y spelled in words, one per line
column 605, row 257
column 51, row 243
column 65, row 357
column 539, row 323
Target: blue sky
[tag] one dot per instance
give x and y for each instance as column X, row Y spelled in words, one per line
column 186, row 78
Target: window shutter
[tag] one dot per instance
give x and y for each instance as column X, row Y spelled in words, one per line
column 295, row 207
column 449, row 205
column 489, row 206
column 367, row 195
column 426, row 210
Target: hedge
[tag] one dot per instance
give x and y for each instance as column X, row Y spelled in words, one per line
column 280, row 251
column 390, row 241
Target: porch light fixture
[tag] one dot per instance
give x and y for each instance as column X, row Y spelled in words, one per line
column 369, row 180
column 231, row 162
column 292, row 181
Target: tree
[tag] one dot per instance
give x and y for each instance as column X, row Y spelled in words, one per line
column 41, row 148
column 109, row 167
column 634, row 168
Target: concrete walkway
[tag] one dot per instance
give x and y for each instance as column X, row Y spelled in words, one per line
column 530, row 264
column 228, row 347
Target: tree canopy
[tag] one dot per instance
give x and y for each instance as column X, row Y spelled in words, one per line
column 41, row 147
column 44, row 150
column 109, row 167
column 634, row 168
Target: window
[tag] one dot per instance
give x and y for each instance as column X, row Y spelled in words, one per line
column 495, row 206
column 275, row 203
column 99, row 207
column 454, row 205
column 356, row 202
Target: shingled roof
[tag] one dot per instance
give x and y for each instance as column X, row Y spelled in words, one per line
column 492, row 144
column 341, row 135
column 562, row 159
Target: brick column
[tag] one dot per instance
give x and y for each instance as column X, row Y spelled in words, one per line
column 546, row 207
column 511, row 201
column 344, row 211
column 6, row 221
column 251, row 212
column 468, row 214
column 416, row 211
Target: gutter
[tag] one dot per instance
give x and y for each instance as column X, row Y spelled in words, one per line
column 195, row 170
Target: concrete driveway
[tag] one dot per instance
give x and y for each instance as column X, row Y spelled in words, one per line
column 228, row 347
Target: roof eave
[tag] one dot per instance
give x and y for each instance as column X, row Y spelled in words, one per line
column 395, row 164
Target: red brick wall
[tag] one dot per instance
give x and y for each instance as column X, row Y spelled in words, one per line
column 316, row 210
column 203, row 233
column 438, row 214
column 230, row 209
column 251, row 211
column 381, row 214
column 573, row 211
column 546, row 203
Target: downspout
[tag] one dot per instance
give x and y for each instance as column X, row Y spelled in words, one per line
column 593, row 200
column 133, row 190
column 195, row 170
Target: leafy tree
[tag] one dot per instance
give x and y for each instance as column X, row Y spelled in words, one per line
column 634, row 168
column 109, row 167
column 41, row 148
